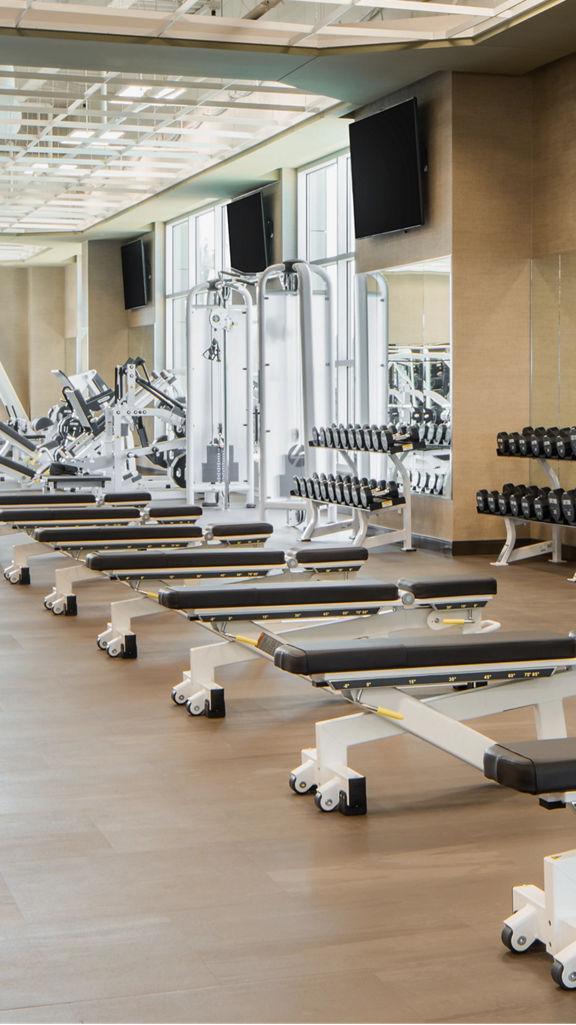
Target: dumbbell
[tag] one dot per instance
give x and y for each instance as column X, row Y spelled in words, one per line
column 440, row 434
column 376, row 493
column 514, row 439
column 323, row 487
column 315, row 436
column 330, row 488
column 550, row 439
column 502, row 443
column 298, row 483
column 440, row 482
column 532, row 445
column 555, row 505
column 322, row 437
column 568, row 503
column 527, row 502
column 493, row 499
column 573, row 440
column 516, row 496
column 347, row 489
column 481, row 500
column 542, row 511
column 563, row 447
column 338, row 492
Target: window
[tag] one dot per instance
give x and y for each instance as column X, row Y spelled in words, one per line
column 196, row 246
column 326, row 237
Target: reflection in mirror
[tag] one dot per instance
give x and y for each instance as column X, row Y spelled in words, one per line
column 404, row 313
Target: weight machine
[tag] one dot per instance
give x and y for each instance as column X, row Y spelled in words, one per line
column 296, row 381
column 220, row 392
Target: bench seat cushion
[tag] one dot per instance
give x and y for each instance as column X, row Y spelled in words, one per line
column 161, row 510
column 390, row 653
column 286, row 596
column 138, row 532
column 534, row 766
column 26, row 498
column 69, row 513
column 316, row 556
column 115, row 562
column 449, row 587
column 243, row 529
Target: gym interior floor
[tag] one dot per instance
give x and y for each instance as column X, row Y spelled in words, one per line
column 155, row 867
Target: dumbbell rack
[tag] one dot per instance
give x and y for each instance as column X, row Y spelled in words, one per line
column 361, row 518
column 509, row 552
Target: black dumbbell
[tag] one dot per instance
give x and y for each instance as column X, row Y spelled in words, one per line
column 549, row 442
column 516, row 496
column 502, row 443
column 322, row 437
column 568, row 502
column 297, row 485
column 535, row 442
column 573, row 440
column 481, row 499
column 563, row 446
column 527, row 502
column 514, row 439
column 555, row 505
column 542, row 505
column 493, row 499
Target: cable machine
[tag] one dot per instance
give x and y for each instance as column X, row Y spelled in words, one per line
column 220, row 392
column 296, row 376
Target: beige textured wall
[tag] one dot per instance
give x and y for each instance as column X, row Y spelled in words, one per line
column 14, row 328
column 491, row 252
column 107, row 318
column 46, row 339
column 555, row 157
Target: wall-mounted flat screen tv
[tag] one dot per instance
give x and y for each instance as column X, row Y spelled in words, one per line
column 134, row 275
column 386, row 166
column 247, row 234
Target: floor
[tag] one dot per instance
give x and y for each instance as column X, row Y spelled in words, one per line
column 157, row 868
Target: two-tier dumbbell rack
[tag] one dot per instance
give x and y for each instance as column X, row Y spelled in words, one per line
column 362, row 519
column 553, row 547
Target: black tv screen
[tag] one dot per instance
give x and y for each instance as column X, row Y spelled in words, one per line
column 134, row 275
column 247, row 234
column 386, row 166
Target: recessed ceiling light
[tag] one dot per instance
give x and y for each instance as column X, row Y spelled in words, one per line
column 134, row 92
column 112, row 135
column 81, row 133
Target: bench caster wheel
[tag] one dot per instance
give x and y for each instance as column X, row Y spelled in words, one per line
column 195, row 707
column 58, row 608
column 48, row 604
column 507, row 937
column 102, row 644
column 562, row 977
column 177, row 698
column 14, row 576
column 325, row 802
column 299, row 784
column 114, row 650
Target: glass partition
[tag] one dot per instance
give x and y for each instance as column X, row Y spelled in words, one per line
column 553, row 356
column 406, row 381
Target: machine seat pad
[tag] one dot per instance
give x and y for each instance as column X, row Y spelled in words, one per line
column 246, row 529
column 391, row 653
column 73, row 513
column 448, row 587
column 353, row 553
column 25, row 498
column 161, row 510
column 154, row 532
column 192, row 559
column 285, row 595
column 533, row 766
column 127, row 497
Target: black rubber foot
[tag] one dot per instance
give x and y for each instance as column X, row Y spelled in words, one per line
column 71, row 605
column 355, row 804
column 130, row 648
column 215, row 708
column 24, row 575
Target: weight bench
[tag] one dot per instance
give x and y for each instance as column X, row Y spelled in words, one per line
column 117, row 511
column 119, row 637
column 331, row 610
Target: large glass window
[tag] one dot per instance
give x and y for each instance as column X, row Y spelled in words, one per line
column 196, row 246
column 326, row 237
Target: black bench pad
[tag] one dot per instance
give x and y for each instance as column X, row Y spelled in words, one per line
column 154, row 532
column 244, row 529
column 72, row 513
column 112, row 562
column 390, row 653
column 284, row 596
column 448, row 587
column 161, row 510
column 26, row 498
column 353, row 553
column 533, row 766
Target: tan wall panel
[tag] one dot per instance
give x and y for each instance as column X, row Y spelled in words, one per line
column 434, row 95
column 107, row 318
column 555, row 157
column 490, row 285
column 14, row 328
column 46, row 342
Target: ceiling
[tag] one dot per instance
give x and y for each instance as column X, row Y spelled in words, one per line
column 90, row 145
